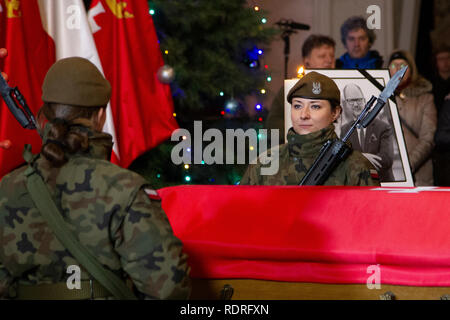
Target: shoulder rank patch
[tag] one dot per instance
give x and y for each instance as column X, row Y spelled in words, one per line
column 152, row 194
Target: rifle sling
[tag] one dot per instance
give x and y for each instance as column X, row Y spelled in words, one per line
column 47, row 207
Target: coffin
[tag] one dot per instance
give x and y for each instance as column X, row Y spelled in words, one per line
column 269, row 242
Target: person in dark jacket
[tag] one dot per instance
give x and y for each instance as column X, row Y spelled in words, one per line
column 358, row 39
column 441, row 158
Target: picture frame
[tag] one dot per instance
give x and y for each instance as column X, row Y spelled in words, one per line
column 382, row 139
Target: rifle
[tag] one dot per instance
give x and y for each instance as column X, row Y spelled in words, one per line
column 336, row 150
column 17, row 105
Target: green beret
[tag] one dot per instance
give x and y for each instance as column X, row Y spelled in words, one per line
column 76, row 81
column 315, row 86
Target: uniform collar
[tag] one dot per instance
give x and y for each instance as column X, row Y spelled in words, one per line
column 308, row 145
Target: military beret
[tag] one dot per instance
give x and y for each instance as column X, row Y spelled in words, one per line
column 76, row 81
column 315, row 86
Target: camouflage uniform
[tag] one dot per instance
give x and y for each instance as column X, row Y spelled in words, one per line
column 108, row 211
column 298, row 155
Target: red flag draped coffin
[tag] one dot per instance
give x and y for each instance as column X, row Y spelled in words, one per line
column 314, row 234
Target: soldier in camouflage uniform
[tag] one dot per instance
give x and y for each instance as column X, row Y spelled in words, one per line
column 106, row 207
column 315, row 106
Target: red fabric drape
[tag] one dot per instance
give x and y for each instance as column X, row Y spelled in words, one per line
column 30, row 54
column 313, row 234
column 128, row 48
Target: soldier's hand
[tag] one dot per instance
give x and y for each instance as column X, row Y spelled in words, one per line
column 374, row 160
column 3, row 54
column 6, row 144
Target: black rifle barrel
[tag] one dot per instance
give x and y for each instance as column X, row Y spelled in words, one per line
column 22, row 113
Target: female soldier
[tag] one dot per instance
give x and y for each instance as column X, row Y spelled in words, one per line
column 104, row 206
column 314, row 107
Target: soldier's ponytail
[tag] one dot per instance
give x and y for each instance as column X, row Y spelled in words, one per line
column 62, row 137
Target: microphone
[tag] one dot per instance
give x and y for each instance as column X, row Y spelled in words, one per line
column 292, row 25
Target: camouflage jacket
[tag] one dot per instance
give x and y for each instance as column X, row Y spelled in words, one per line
column 298, row 155
column 108, row 211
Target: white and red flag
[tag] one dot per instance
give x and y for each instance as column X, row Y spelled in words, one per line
column 122, row 44
column 67, row 24
column 128, row 47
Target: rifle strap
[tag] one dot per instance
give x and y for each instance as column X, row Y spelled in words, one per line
column 47, row 207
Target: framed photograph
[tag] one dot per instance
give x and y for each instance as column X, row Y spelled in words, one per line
column 382, row 142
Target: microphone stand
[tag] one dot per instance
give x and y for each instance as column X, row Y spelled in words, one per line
column 288, row 27
column 285, row 36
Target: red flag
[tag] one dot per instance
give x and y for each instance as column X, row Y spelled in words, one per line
column 142, row 106
column 30, row 54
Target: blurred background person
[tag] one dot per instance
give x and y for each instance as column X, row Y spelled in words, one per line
column 417, row 115
column 441, row 90
column 317, row 53
column 357, row 40
column 441, row 159
column 376, row 141
column 441, row 78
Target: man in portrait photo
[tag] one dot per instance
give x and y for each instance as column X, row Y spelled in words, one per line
column 376, row 141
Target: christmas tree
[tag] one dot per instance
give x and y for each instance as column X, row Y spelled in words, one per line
column 214, row 48
column 213, row 51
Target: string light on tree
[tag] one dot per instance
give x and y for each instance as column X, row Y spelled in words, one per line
column 165, row 74
column 231, row 105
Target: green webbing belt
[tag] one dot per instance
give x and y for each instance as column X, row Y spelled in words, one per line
column 46, row 206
